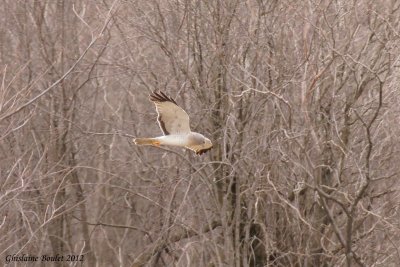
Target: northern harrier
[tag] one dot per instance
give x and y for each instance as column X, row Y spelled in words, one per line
column 174, row 123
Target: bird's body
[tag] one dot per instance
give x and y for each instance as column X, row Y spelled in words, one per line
column 172, row 140
column 174, row 122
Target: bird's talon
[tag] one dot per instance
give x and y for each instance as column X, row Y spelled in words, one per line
column 156, row 143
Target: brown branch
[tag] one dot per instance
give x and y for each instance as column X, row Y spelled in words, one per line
column 48, row 89
column 161, row 243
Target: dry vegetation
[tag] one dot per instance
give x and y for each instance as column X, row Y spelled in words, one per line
column 301, row 98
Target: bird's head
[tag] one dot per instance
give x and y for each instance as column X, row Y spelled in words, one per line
column 207, row 143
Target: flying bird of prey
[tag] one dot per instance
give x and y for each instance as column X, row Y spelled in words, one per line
column 174, row 123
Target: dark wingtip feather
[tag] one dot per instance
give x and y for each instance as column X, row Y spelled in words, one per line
column 161, row 97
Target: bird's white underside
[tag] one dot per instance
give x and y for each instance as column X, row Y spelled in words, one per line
column 173, row 139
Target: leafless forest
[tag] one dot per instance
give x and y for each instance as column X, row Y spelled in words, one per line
column 300, row 98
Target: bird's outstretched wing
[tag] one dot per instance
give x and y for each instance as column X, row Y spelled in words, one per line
column 171, row 118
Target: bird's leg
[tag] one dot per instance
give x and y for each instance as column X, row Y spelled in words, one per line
column 156, row 143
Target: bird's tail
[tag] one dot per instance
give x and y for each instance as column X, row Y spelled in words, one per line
column 146, row 141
